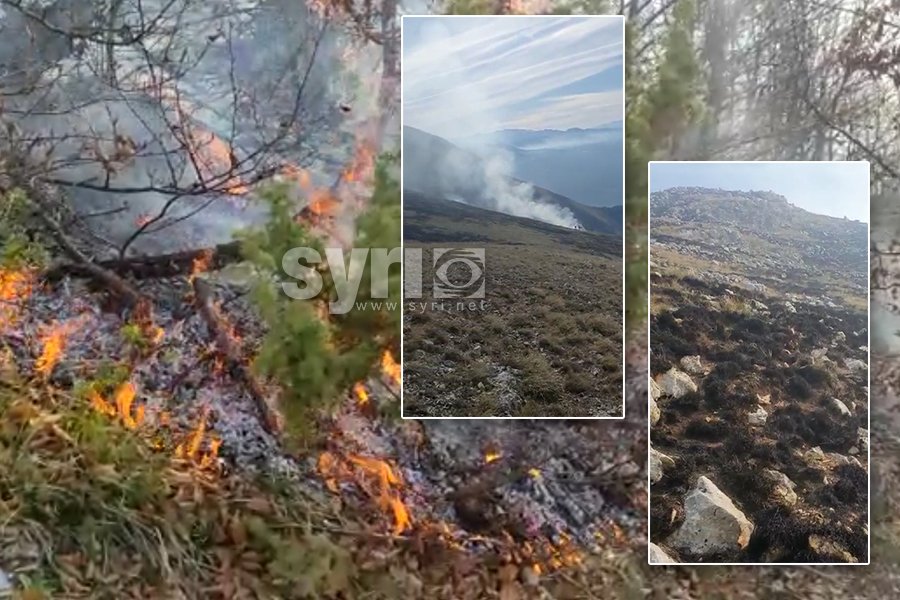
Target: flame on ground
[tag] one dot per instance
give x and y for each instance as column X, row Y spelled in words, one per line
column 191, row 449
column 362, row 396
column 200, row 264
column 490, row 457
column 366, row 471
column 15, row 287
column 391, row 368
column 121, row 407
column 53, row 343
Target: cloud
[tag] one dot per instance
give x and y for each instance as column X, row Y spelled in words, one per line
column 463, row 76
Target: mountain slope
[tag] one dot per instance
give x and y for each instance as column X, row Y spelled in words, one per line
column 760, row 231
column 437, row 168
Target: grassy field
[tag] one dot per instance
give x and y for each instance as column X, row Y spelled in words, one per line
column 546, row 342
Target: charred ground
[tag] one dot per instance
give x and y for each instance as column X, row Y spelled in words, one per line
column 764, row 346
column 548, row 342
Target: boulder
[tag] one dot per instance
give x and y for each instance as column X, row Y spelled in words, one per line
column 712, row 525
column 840, row 408
column 758, row 417
column 658, row 556
column 676, row 383
column 783, row 490
column 692, row 364
column 657, row 464
column 654, row 412
column 854, row 364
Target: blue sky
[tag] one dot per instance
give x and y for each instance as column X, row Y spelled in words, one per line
column 833, row 189
column 464, row 76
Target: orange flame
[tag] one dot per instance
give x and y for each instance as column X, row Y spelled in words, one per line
column 15, row 286
column 200, row 264
column 121, row 406
column 322, row 203
column 53, row 343
column 391, row 368
column 490, row 457
column 362, row 397
column 387, row 494
column 195, row 442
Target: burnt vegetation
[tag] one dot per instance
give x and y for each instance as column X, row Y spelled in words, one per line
column 764, row 358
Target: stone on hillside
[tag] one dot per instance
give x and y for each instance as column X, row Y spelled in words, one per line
column 658, row 556
column 676, row 383
column 840, row 407
column 764, row 399
column 712, row 525
column 789, row 307
column 783, row 487
column 658, row 462
column 692, row 365
column 829, row 550
column 758, row 305
column 758, row 417
column 839, row 338
column 654, row 412
column 818, row 353
column 854, row 364
column 815, row 454
column 655, row 392
column 862, row 439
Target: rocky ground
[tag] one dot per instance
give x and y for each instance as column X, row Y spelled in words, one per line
column 759, row 413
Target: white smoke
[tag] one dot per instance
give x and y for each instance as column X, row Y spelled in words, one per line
column 464, row 102
column 517, row 198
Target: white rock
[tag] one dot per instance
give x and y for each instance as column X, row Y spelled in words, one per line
column 676, row 383
column 758, row 417
column 854, row 364
column 712, row 523
column 764, row 399
column 654, row 412
column 658, row 462
column 818, row 353
column 830, row 549
column 655, row 392
column 815, row 454
column 658, row 556
column 862, row 439
column 789, row 307
column 840, row 407
column 692, row 364
column 784, row 487
column 839, row 338
column 863, row 348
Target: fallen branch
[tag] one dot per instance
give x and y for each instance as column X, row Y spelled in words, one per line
column 160, row 265
column 233, row 355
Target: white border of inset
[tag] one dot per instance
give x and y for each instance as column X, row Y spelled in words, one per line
column 869, row 364
column 621, row 19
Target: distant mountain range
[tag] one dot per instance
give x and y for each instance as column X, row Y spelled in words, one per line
column 437, row 168
column 582, row 164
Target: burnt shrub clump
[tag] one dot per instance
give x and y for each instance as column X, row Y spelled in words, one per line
column 687, row 404
column 661, row 523
column 799, row 387
column 783, row 536
column 714, row 393
column 814, row 376
column 752, row 491
column 815, row 427
column 709, row 431
column 852, row 484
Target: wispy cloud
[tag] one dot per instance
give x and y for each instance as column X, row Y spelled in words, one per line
column 464, row 76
